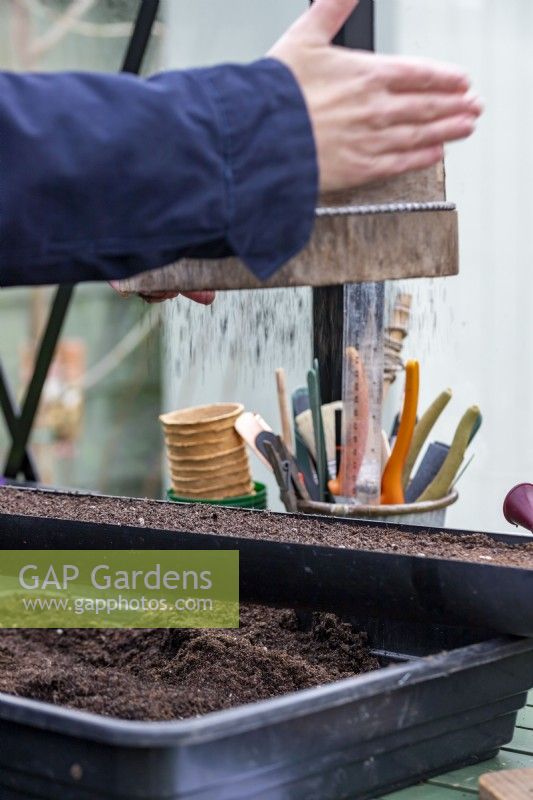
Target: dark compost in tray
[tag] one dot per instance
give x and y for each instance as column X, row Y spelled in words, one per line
column 475, row 547
column 175, row 674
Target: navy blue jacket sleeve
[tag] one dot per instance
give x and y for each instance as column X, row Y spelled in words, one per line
column 103, row 176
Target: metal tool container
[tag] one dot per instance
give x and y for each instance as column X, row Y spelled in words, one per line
column 431, row 513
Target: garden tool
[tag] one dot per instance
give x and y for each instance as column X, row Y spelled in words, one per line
column 464, row 434
column 391, row 485
column 338, row 439
column 475, row 429
column 285, row 470
column 286, row 427
column 283, row 454
column 281, row 471
column 313, row 384
column 307, row 467
column 431, row 464
column 306, row 463
column 249, row 426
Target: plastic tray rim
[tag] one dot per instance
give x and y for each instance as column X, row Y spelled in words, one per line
column 118, row 732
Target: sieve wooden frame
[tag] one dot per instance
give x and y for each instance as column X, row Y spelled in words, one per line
column 402, row 228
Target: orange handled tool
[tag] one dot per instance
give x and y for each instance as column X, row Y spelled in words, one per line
column 391, row 482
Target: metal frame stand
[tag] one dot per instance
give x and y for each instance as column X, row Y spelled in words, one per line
column 328, row 302
column 20, row 421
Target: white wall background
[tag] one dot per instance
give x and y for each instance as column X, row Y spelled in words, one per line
column 472, row 333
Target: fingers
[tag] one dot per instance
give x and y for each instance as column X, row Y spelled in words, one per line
column 419, row 108
column 398, row 163
column 204, row 298
column 410, row 75
column 324, row 19
column 116, row 286
column 373, row 116
column 158, row 297
column 402, row 138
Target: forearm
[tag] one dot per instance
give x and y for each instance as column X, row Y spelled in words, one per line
column 104, row 176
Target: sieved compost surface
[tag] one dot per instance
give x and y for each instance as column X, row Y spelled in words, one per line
column 177, row 674
column 476, row 547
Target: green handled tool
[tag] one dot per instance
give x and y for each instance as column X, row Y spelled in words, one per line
column 306, row 463
column 315, row 402
column 466, row 430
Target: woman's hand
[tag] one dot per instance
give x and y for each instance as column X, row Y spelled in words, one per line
column 203, row 298
column 373, row 116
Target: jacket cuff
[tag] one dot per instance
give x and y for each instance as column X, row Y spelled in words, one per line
column 270, row 160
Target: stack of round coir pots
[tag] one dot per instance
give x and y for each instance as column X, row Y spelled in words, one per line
column 207, row 458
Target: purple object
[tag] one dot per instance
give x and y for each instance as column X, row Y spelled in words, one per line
column 3, row 481
column 518, row 506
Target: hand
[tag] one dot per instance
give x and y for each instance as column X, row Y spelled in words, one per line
column 373, row 116
column 203, row 298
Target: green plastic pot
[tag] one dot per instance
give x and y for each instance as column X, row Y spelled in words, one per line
column 256, row 500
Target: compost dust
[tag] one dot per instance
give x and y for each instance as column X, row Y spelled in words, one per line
column 475, row 547
column 178, row 674
column 242, row 330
